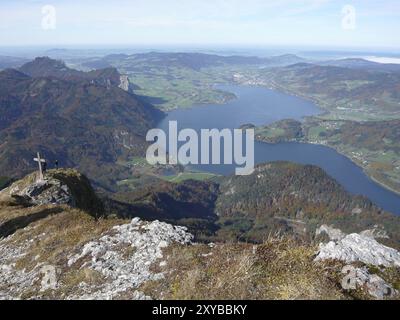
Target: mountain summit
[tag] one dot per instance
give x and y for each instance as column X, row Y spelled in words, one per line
column 47, row 67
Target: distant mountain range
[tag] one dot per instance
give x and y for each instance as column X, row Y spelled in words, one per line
column 194, row 61
column 358, row 63
column 81, row 119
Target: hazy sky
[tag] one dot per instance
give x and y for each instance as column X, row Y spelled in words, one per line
column 237, row 22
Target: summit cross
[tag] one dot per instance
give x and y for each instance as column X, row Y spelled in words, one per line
column 40, row 160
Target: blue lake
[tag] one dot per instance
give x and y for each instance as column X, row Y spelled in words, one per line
column 262, row 106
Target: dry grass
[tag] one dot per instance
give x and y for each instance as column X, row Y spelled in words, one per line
column 59, row 235
column 291, row 273
column 10, row 209
column 278, row 269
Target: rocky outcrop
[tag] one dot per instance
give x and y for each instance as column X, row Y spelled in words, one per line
column 61, row 186
column 12, row 280
column 377, row 232
column 125, row 83
column 355, row 247
column 107, row 256
column 123, row 256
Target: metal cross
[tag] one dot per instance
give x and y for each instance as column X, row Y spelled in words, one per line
column 40, row 161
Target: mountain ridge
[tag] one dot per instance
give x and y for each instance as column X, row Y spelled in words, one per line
column 194, row 61
column 69, row 118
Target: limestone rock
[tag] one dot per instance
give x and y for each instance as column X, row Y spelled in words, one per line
column 49, row 191
column 144, row 243
column 376, row 232
column 123, row 256
column 14, row 281
column 125, row 83
column 356, row 210
column 355, row 247
column 333, row 234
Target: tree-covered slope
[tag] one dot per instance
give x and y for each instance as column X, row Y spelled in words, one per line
column 80, row 122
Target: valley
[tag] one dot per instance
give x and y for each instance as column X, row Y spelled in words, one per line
column 180, row 80
column 348, row 91
column 124, row 168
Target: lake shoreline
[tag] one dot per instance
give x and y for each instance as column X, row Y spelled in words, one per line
column 259, row 106
column 343, row 154
column 325, row 111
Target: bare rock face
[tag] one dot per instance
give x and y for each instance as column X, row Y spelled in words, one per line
column 123, row 256
column 49, row 191
column 124, row 83
column 355, row 247
column 123, row 272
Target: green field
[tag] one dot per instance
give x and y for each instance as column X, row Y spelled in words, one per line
column 173, row 87
column 144, row 173
column 271, row 132
column 188, row 175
